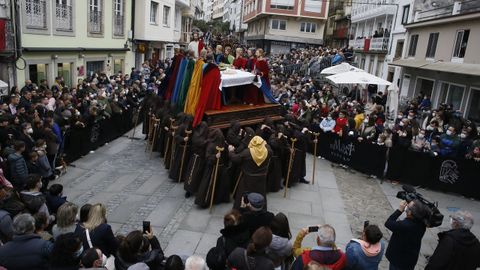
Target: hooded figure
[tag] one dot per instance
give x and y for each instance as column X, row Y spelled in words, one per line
column 254, row 163
column 216, row 140
column 182, row 140
column 194, row 172
column 278, row 143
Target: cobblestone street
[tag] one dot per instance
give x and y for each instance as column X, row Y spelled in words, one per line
column 135, row 187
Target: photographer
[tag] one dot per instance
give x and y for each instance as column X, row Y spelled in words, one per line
column 407, row 234
column 457, row 248
column 254, row 212
column 325, row 253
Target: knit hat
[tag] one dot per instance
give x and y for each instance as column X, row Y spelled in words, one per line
column 139, row 266
column 256, row 200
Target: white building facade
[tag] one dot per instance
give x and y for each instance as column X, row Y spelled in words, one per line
column 159, row 26
column 73, row 39
column 370, row 32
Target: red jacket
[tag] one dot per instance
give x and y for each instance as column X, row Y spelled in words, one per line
column 340, row 123
column 334, row 259
column 240, row 63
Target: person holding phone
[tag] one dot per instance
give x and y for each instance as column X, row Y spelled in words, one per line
column 367, row 252
column 325, row 253
column 140, row 247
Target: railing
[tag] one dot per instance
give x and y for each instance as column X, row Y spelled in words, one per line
column 358, row 44
column 434, row 13
column 36, row 15
column 63, row 17
column 95, row 21
column 379, row 44
column 118, row 25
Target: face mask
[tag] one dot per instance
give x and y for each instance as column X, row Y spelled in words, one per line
column 104, row 260
column 421, row 136
column 410, row 117
column 379, row 141
column 401, row 124
column 399, row 116
column 449, row 132
column 329, row 118
column 365, row 121
column 429, row 128
column 434, row 114
column 463, row 135
column 30, row 131
column 79, row 252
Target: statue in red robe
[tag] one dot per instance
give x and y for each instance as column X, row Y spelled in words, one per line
column 210, row 95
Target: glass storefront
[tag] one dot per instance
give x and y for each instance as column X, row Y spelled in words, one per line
column 65, row 70
column 118, row 66
column 37, row 72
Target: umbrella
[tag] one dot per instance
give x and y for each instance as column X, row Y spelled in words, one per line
column 341, row 68
column 352, row 77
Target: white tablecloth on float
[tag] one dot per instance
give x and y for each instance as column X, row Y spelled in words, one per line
column 239, row 78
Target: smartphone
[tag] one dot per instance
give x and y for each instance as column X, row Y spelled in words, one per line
column 313, row 229
column 146, row 226
column 365, row 224
column 245, row 198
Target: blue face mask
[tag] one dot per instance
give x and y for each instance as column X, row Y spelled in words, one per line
column 79, row 252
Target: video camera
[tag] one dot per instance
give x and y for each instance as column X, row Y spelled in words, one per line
column 433, row 218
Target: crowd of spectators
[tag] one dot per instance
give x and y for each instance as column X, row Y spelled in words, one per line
column 40, row 229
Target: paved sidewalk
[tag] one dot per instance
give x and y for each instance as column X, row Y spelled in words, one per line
column 135, row 188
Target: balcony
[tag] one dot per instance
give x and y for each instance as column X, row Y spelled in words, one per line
column 36, row 14
column 340, row 33
column 379, row 44
column 118, row 25
column 95, row 22
column 365, row 12
column 63, row 18
column 357, row 44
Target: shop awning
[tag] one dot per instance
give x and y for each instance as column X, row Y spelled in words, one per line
column 450, row 67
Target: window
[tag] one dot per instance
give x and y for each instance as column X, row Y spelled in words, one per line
column 153, row 12
column 313, row 6
column 95, row 16
column 308, row 27
column 36, row 14
column 461, row 43
column 451, row 94
column 118, row 17
column 473, row 112
column 63, row 15
column 279, row 24
column 399, row 49
column 413, row 45
column 406, row 11
column 166, row 15
column 432, row 45
column 282, row 4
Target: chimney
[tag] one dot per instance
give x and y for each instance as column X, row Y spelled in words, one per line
column 457, row 6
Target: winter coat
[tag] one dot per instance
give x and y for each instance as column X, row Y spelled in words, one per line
column 333, row 259
column 457, row 249
column 18, row 169
column 54, row 202
column 6, row 226
column 25, row 252
column 405, row 242
column 34, row 202
column 363, row 256
column 240, row 260
column 102, row 237
column 233, row 237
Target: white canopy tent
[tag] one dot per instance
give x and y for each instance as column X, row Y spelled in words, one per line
column 3, row 88
column 355, row 77
column 341, row 68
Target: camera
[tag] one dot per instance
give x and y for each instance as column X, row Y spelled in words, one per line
column 433, row 217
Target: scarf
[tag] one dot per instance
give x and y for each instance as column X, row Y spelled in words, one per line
column 258, row 150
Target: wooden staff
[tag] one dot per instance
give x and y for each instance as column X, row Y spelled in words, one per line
column 172, row 149
column 187, row 132
column 150, row 130
column 136, row 122
column 155, row 129
column 219, row 150
column 236, row 184
column 314, row 156
column 292, row 151
column 167, row 145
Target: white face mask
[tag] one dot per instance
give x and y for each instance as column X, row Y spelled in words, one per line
column 463, row 135
column 410, row 117
column 400, row 116
column 30, row 131
column 365, row 121
column 429, row 128
column 434, row 114
column 449, row 132
column 401, row 124
column 421, row 136
column 104, row 260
